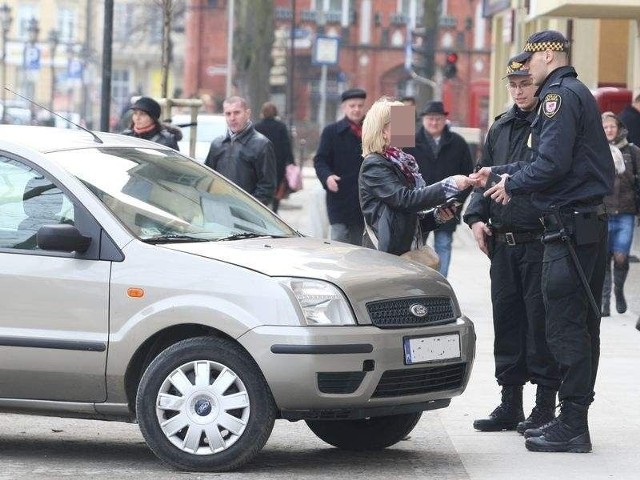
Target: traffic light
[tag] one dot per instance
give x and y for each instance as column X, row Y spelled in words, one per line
column 450, row 69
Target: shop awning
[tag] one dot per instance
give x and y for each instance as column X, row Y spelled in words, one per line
column 585, row 9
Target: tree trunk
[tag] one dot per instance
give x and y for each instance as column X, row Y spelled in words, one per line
column 253, row 41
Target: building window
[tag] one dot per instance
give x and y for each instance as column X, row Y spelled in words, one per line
column 120, row 90
column 66, row 25
column 123, row 15
column 25, row 13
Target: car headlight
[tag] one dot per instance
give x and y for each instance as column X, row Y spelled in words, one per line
column 321, row 302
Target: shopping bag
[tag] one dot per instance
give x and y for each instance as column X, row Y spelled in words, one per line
column 293, row 174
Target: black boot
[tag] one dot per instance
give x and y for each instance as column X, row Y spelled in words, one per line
column 638, row 324
column 567, row 433
column 620, row 272
column 507, row 415
column 606, row 290
column 543, row 412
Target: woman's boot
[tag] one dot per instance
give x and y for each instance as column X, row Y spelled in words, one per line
column 620, row 271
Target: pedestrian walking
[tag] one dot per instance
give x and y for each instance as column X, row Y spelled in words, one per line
column 570, row 174
column 337, row 163
column 622, row 210
column 510, row 236
column 441, row 153
column 277, row 132
column 630, row 117
column 145, row 123
column 392, row 190
column 243, row 154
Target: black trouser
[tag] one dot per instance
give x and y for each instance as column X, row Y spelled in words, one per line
column 520, row 346
column 573, row 328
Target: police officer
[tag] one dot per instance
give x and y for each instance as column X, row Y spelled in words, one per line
column 570, row 173
column 510, row 235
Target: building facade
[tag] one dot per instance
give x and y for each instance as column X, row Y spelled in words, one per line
column 372, row 40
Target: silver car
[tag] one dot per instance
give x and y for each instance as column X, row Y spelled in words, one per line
column 139, row 285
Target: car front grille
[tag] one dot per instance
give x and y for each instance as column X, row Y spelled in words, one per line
column 413, row 381
column 411, row 312
column 339, row 382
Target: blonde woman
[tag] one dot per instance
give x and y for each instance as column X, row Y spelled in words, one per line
column 392, row 192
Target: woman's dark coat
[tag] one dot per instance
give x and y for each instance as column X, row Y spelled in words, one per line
column 390, row 204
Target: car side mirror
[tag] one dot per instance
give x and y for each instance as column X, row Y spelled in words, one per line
column 63, row 238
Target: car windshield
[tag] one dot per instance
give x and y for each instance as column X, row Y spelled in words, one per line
column 162, row 197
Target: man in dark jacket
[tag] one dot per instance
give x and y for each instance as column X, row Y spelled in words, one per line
column 630, row 116
column 570, row 173
column 277, row 132
column 440, row 153
column 244, row 155
column 337, row 164
column 510, row 235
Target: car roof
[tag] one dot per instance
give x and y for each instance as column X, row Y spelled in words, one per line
column 51, row 139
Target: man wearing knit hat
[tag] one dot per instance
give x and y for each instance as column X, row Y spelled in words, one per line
column 570, row 173
column 510, row 236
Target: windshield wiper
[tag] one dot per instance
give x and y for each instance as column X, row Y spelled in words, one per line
column 173, row 238
column 243, row 235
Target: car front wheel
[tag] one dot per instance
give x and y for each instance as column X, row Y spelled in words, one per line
column 203, row 405
column 373, row 433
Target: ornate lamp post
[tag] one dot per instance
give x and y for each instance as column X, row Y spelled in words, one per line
column 5, row 24
column 54, row 39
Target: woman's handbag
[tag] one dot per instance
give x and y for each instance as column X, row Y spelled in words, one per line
column 293, row 174
column 420, row 252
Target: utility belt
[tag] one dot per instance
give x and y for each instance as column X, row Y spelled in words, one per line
column 513, row 237
column 582, row 224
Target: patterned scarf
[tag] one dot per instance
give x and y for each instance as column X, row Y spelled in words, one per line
column 407, row 164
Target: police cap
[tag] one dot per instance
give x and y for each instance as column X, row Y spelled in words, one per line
column 545, row 40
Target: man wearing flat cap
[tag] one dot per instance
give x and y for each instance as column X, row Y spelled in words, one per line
column 510, row 236
column 337, row 163
column 440, row 153
column 570, row 173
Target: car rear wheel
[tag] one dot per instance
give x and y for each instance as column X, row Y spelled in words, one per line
column 203, row 405
column 374, row 433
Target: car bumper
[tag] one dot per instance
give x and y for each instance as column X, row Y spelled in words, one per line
column 356, row 372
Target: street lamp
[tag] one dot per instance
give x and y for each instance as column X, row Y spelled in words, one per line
column 54, row 39
column 31, row 60
column 5, row 24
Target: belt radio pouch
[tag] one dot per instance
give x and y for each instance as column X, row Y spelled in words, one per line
column 586, row 227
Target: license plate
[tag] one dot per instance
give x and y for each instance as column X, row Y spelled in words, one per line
column 429, row 349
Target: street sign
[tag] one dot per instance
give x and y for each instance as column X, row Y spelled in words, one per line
column 326, row 50
column 31, row 57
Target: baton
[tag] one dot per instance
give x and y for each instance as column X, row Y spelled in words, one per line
column 562, row 234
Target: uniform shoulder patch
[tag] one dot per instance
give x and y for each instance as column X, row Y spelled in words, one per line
column 551, row 104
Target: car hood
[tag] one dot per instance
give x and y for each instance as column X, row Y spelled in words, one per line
column 363, row 274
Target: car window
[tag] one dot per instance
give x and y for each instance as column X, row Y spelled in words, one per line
column 28, row 200
column 161, row 193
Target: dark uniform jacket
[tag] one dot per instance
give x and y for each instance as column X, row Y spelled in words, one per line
column 390, row 204
column 340, row 153
column 572, row 163
column 506, row 142
column 247, row 160
column 277, row 132
column 162, row 134
column 453, row 158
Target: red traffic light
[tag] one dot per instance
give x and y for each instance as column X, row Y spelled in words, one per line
column 452, row 57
